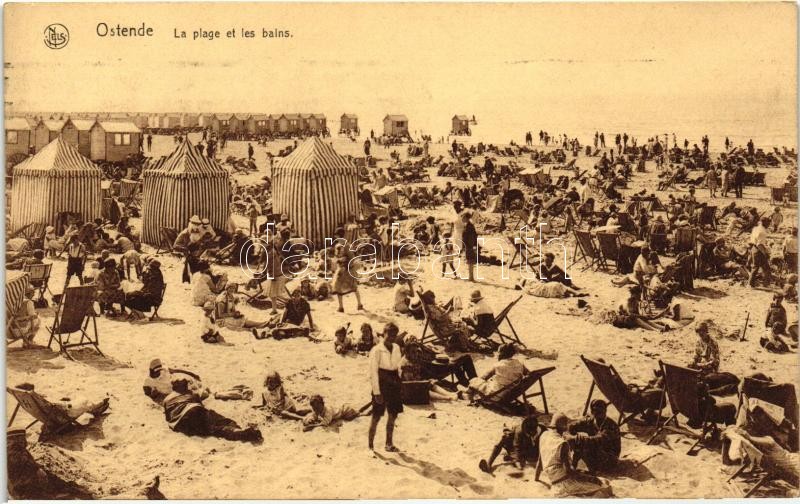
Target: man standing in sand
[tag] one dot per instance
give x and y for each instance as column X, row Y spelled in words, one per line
column 384, row 366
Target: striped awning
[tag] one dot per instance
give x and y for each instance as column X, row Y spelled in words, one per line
column 57, row 159
column 185, row 162
column 317, row 189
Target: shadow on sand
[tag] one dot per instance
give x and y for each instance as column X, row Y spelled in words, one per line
column 455, row 478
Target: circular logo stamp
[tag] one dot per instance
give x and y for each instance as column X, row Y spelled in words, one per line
column 56, row 36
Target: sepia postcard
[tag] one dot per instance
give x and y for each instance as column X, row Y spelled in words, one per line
column 401, row 250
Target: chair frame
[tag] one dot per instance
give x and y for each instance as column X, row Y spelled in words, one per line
column 44, row 277
column 57, row 334
column 584, row 239
column 604, row 389
column 31, row 399
column 503, row 316
column 610, row 253
column 505, row 399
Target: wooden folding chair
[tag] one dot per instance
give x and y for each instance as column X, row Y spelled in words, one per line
column 39, row 277
column 514, row 398
column 685, row 240
column 610, row 247
column 584, row 243
column 154, row 315
column 168, row 237
column 503, row 316
column 521, row 252
column 606, row 379
column 54, row 418
column 73, row 315
column 683, row 387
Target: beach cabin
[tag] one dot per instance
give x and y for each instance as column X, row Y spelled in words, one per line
column 18, row 137
column 460, row 125
column 114, row 141
column 224, row 123
column 77, row 132
column 317, row 123
column 171, row 121
column 395, row 125
column 190, row 120
column 46, row 132
column 140, row 120
column 205, row 120
column 348, row 123
column 258, row 124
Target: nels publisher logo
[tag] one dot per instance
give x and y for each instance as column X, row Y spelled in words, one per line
column 56, row 36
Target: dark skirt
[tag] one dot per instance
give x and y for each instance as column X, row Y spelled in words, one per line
column 389, row 383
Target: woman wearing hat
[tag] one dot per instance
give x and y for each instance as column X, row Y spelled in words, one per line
column 109, row 289
column 149, row 295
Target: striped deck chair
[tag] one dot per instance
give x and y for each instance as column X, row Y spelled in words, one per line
column 590, row 254
column 167, row 239
column 683, row 388
column 73, row 315
column 513, row 399
column 54, row 418
column 16, row 283
column 33, row 233
column 39, row 277
column 606, row 379
column 610, row 248
column 128, row 192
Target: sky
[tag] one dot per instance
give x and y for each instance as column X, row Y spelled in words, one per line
column 553, row 66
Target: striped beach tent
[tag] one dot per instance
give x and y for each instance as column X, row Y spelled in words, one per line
column 57, row 179
column 180, row 185
column 316, row 188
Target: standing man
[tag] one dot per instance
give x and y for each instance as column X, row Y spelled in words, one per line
column 149, row 142
column 738, row 181
column 469, row 238
column 76, row 257
column 250, row 151
column 384, row 365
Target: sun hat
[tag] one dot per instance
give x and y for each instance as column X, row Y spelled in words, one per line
column 195, row 220
column 155, row 365
column 475, row 296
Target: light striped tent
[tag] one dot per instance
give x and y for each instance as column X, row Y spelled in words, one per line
column 57, row 179
column 180, row 185
column 317, row 188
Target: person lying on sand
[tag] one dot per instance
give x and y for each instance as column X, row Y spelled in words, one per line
column 276, row 400
column 325, row 416
column 185, row 413
column 342, row 343
column 555, row 463
column 158, row 384
column 773, row 341
column 595, row 439
column 521, row 444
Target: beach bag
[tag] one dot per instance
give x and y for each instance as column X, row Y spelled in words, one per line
column 415, row 392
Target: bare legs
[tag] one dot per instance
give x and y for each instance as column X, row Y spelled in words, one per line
column 373, row 429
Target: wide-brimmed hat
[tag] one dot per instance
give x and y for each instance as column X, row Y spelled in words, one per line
column 49, row 229
column 475, row 296
column 208, row 306
column 195, row 220
column 205, row 221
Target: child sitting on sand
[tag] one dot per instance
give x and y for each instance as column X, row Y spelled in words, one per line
column 367, row 340
column 210, row 330
column 343, row 344
column 521, row 444
column 276, row 400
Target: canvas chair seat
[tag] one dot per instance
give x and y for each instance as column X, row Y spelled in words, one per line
column 590, row 254
column 16, row 284
column 514, row 398
column 74, row 313
column 610, row 247
column 53, row 417
column 39, row 277
column 606, row 379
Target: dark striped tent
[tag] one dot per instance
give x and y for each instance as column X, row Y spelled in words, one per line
column 317, row 188
column 180, row 185
column 57, row 179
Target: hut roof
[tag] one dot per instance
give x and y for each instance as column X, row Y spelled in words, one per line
column 259, row 117
column 396, row 117
column 349, row 116
column 186, row 162
column 461, row 117
column 58, row 158
column 119, row 127
column 82, row 124
column 53, row 125
column 316, row 157
column 17, row 123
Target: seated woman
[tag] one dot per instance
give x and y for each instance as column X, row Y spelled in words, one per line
column 275, row 399
column 109, row 289
column 367, row 339
column 228, row 316
column 26, row 322
column 149, row 295
column 507, row 371
column 296, row 310
column 22, row 260
column 628, row 315
column 325, row 416
column 204, row 287
column 455, row 334
column 772, row 341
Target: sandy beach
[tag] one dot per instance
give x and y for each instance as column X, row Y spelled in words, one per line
column 441, row 443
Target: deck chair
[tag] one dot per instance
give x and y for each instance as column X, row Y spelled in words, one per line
column 33, row 233
column 434, row 336
column 73, row 315
column 15, row 295
column 167, row 239
column 776, row 195
column 708, row 216
column 606, row 379
column 39, row 277
column 685, row 240
column 610, row 247
column 513, row 399
column 626, row 222
column 154, row 315
column 683, row 386
column 584, row 243
column 129, row 193
column 53, row 418
column 498, row 320
column 519, row 251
